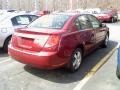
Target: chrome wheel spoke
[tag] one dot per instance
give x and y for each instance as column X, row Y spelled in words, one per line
column 74, row 62
column 77, row 64
column 77, row 60
column 75, row 56
column 78, row 55
column 106, row 41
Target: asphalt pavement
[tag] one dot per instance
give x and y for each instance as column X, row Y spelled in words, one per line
column 17, row 76
column 105, row 78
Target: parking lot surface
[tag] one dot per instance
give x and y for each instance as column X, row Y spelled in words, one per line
column 17, row 76
column 105, row 78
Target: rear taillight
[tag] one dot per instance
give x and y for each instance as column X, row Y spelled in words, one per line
column 52, row 43
column 41, row 40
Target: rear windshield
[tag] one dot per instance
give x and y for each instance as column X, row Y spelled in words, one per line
column 52, row 21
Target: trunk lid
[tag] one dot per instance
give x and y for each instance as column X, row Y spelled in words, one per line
column 32, row 39
column 29, row 41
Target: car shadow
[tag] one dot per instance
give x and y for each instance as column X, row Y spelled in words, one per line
column 63, row 76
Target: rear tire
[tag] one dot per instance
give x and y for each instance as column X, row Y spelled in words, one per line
column 7, row 41
column 75, row 61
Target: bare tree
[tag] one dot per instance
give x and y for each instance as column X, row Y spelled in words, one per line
column 58, row 4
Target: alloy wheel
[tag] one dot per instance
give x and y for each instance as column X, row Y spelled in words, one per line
column 77, row 58
column 106, row 40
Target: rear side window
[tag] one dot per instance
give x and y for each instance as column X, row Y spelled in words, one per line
column 84, row 22
column 94, row 21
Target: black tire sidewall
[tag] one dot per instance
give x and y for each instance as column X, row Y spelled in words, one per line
column 5, row 47
column 103, row 44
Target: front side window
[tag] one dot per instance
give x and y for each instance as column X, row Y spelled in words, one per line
column 94, row 21
column 85, row 23
column 50, row 21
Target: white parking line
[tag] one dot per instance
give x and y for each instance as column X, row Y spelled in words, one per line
column 94, row 70
column 5, row 60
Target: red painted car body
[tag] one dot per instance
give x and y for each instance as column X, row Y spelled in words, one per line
column 50, row 48
column 44, row 12
column 107, row 16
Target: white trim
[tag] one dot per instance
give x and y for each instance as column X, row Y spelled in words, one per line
column 6, row 60
column 26, row 35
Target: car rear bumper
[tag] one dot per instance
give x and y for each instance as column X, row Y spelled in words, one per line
column 42, row 60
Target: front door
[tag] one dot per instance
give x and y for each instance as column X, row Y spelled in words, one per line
column 100, row 31
column 86, row 33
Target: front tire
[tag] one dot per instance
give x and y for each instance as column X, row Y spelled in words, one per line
column 118, row 73
column 76, row 60
column 105, row 42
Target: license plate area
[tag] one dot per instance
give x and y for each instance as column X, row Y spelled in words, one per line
column 25, row 42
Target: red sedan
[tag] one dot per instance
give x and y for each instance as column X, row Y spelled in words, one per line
column 108, row 16
column 58, row 40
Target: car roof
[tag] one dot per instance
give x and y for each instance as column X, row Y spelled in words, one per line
column 67, row 13
column 11, row 15
column 73, row 14
column 16, row 14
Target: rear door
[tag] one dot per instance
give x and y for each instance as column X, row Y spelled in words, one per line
column 86, row 32
column 99, row 30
